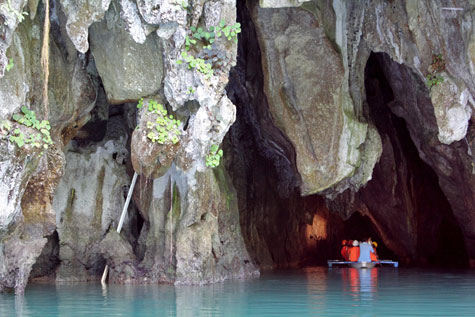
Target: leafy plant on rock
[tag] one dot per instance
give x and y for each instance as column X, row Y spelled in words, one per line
column 433, row 80
column 229, row 31
column 165, row 129
column 28, row 118
column 20, row 16
column 9, row 65
column 5, row 126
column 210, row 57
column 208, row 36
column 200, row 64
column 437, row 65
column 214, row 156
column 214, row 56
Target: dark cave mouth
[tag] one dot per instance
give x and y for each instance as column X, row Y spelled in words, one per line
column 294, row 231
column 439, row 239
column 360, row 227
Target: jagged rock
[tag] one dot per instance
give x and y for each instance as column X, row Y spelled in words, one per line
column 163, row 11
column 88, row 202
column 193, row 233
column 150, row 159
column 128, row 70
column 120, row 257
column 11, row 14
column 22, row 245
column 452, row 108
column 30, row 177
column 81, row 14
column 305, row 85
column 17, row 257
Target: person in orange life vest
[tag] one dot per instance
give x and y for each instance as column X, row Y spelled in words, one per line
column 354, row 253
column 374, row 255
column 344, row 250
column 349, row 243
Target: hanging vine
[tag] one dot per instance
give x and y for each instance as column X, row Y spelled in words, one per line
column 45, row 57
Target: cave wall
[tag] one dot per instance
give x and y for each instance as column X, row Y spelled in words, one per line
column 280, row 227
column 403, row 199
column 305, row 127
column 438, row 117
column 147, row 42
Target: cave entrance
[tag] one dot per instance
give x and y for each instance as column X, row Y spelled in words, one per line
column 361, row 227
column 404, row 196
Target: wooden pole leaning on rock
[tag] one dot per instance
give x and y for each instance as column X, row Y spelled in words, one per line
column 121, row 221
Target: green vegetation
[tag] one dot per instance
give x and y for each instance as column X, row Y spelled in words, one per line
column 197, row 63
column 191, row 90
column 9, row 65
column 214, row 156
column 28, row 118
column 229, row 31
column 208, row 37
column 165, row 129
column 433, row 80
column 5, row 126
column 202, row 41
column 437, row 65
column 12, row 12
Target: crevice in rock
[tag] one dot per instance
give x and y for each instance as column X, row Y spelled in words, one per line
column 48, row 261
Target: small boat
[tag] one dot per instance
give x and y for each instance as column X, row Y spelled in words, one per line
column 362, row 265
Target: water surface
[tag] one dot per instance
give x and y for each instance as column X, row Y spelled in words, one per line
column 313, row 291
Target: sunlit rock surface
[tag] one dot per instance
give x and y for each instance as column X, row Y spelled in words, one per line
column 88, row 202
column 129, row 70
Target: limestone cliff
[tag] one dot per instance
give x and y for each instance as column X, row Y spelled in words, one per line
column 343, row 108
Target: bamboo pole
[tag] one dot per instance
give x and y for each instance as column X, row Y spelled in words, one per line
column 121, row 221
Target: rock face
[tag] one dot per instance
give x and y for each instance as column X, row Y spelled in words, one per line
column 436, row 117
column 196, row 239
column 88, row 201
column 185, row 217
column 30, row 175
column 129, row 70
column 305, row 83
column 80, row 15
column 10, row 21
column 319, row 113
column 280, row 228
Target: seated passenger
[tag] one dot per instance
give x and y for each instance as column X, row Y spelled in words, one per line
column 354, row 252
column 374, row 255
column 365, row 251
column 344, row 250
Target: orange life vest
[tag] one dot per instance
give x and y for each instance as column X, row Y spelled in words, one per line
column 344, row 252
column 354, row 254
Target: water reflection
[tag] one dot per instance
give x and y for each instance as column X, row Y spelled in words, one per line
column 361, row 284
column 317, row 286
column 309, row 292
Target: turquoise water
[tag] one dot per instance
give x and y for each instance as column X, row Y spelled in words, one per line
column 313, row 291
